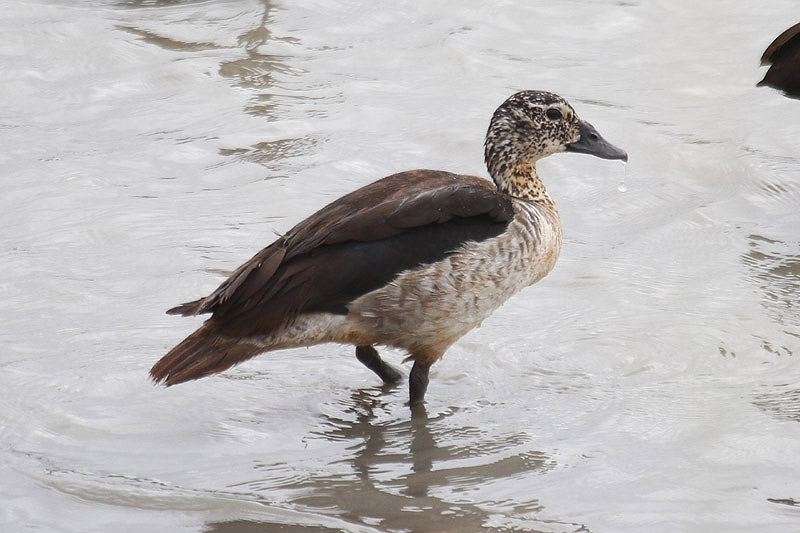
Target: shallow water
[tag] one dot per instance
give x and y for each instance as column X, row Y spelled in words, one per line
column 648, row 384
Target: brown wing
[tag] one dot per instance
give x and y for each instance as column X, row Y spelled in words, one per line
column 771, row 53
column 355, row 245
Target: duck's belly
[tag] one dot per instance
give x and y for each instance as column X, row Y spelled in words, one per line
column 425, row 310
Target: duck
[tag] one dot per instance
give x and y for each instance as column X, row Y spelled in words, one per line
column 783, row 56
column 412, row 261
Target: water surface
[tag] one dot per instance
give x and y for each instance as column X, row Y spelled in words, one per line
column 650, row 383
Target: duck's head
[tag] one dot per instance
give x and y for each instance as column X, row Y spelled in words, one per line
column 531, row 125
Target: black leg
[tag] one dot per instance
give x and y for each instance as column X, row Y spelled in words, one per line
column 417, row 383
column 369, row 357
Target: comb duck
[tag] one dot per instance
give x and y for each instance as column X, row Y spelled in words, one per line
column 412, row 261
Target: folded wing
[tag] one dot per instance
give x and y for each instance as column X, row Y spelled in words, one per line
column 353, row 246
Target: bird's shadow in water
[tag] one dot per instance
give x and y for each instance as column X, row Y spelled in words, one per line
column 380, row 438
column 400, row 465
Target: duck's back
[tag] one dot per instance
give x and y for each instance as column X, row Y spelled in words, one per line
column 354, row 245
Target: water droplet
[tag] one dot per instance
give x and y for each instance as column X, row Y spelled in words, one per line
column 622, row 186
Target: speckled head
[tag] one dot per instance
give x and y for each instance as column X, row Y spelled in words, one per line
column 531, row 125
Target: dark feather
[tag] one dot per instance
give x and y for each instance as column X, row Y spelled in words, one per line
column 354, row 245
column 202, row 353
column 330, row 276
column 783, row 56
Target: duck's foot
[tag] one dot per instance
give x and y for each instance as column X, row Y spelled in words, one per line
column 417, row 384
column 370, row 358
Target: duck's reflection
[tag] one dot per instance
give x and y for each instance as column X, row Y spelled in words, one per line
column 422, row 448
column 781, row 401
column 405, row 476
column 775, row 268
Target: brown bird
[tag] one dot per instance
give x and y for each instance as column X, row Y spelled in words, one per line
column 413, row 261
column 784, row 57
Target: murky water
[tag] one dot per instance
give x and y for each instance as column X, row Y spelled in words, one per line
column 650, row 383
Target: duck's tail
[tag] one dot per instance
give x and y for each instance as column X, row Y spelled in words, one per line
column 204, row 352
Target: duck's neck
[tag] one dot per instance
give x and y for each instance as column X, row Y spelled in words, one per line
column 521, row 181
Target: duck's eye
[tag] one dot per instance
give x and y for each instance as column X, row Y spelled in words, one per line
column 554, row 114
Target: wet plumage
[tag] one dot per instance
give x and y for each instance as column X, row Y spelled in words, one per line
column 412, row 261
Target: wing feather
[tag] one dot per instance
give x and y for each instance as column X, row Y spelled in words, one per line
column 355, row 245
